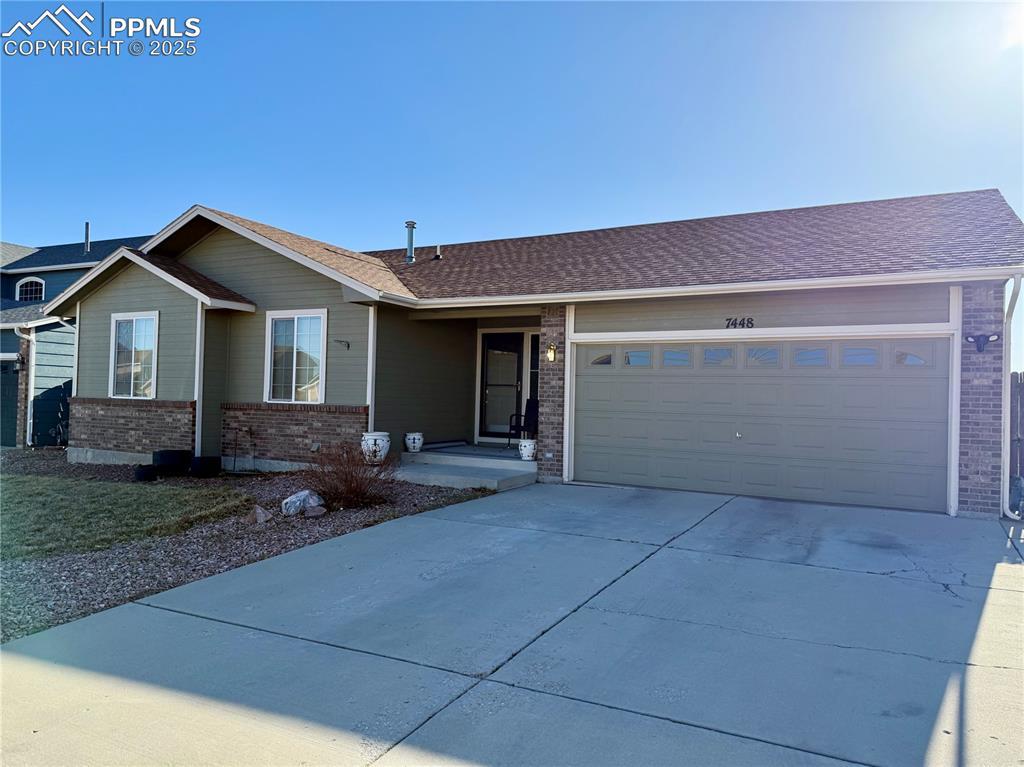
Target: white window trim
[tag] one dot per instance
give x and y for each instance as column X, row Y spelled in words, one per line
column 25, row 281
column 268, row 354
column 155, row 316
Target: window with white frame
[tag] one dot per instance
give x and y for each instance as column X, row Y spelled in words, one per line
column 133, row 340
column 30, row 289
column 296, row 350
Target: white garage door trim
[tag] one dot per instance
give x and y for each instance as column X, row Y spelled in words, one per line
column 948, row 330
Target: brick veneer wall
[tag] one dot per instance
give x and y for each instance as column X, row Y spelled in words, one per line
column 282, row 432
column 22, row 415
column 981, row 400
column 132, row 425
column 552, row 395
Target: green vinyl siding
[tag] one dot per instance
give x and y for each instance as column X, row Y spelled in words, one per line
column 135, row 290
column 426, row 375
column 215, row 376
column 274, row 282
column 794, row 308
column 54, row 366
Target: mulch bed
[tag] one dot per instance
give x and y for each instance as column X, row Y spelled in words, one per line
column 39, row 593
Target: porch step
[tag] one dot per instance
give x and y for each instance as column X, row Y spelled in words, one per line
column 464, row 477
column 468, row 458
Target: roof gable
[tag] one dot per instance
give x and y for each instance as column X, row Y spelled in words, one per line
column 366, row 275
column 185, row 278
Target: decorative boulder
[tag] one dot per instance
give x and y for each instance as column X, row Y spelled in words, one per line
column 314, row 511
column 259, row 515
column 302, row 500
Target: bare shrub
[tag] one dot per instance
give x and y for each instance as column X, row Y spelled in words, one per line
column 341, row 476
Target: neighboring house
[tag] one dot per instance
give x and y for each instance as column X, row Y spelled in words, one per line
column 817, row 354
column 37, row 352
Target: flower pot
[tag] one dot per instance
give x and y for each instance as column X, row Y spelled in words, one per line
column 413, row 441
column 375, row 445
column 527, row 449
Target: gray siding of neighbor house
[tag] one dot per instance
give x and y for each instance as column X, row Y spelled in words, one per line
column 9, row 343
column 54, row 366
column 136, row 290
column 274, row 282
column 54, row 283
column 426, row 376
column 794, row 308
column 215, row 376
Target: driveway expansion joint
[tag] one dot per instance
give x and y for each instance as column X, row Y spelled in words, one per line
column 608, row 585
column 684, row 722
column 284, row 634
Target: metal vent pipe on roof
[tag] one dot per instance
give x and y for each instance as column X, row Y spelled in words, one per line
column 410, row 254
column 87, row 244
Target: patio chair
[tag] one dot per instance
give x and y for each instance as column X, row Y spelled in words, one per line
column 525, row 422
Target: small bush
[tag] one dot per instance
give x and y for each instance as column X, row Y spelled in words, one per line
column 341, row 476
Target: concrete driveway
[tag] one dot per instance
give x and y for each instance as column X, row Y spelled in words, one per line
column 558, row 625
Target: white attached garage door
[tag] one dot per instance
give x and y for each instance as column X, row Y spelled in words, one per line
column 852, row 421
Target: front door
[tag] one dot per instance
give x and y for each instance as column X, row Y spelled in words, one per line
column 501, row 376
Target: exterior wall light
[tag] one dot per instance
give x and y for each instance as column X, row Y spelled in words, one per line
column 552, row 352
column 19, row 363
column 981, row 340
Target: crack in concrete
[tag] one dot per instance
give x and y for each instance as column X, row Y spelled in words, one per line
column 890, row 573
column 543, row 530
column 783, row 637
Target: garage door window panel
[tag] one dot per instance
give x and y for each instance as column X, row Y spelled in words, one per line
column 600, row 356
column 860, row 356
column 677, row 357
column 763, row 356
column 636, row 358
column 718, row 357
column 810, row 357
column 913, row 356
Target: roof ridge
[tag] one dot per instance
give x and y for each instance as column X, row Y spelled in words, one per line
column 689, row 220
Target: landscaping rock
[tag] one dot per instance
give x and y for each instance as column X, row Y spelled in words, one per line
column 304, row 499
column 314, row 511
column 259, row 515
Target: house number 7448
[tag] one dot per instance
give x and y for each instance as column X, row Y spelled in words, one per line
column 739, row 322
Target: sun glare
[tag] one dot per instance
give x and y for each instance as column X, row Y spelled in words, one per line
column 1013, row 34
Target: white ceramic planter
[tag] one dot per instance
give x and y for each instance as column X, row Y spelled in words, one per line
column 413, row 441
column 527, row 449
column 375, row 445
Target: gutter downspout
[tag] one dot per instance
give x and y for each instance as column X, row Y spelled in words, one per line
column 30, row 363
column 1005, row 473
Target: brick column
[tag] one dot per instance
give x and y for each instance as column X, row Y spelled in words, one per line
column 552, row 395
column 981, row 400
column 22, row 420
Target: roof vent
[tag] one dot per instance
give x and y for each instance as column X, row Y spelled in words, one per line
column 410, row 255
column 437, row 256
column 87, row 244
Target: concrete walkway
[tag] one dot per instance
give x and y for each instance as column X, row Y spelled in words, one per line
column 558, row 625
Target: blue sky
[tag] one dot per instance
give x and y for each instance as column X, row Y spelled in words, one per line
column 342, row 120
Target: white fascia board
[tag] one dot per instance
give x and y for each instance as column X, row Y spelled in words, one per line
column 30, row 324
column 241, row 231
column 817, row 283
column 57, row 268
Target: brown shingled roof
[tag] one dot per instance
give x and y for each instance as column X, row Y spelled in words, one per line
column 945, row 231
column 192, row 278
column 369, row 270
